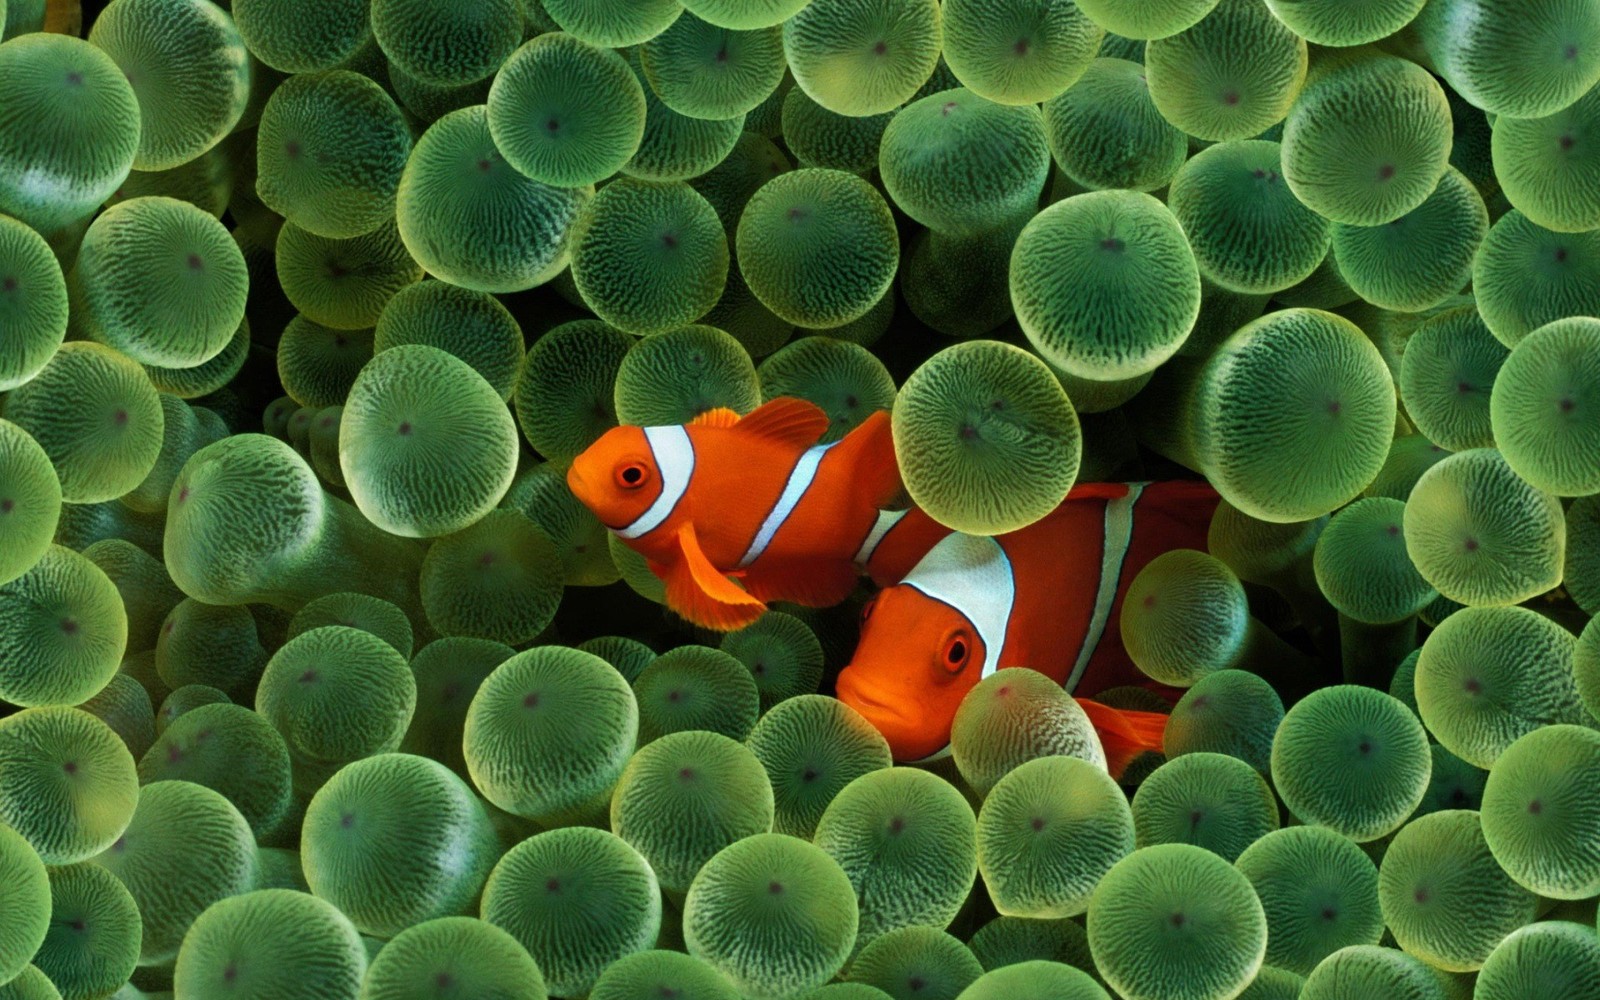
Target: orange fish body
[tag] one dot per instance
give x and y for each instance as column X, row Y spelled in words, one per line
column 755, row 498
column 1048, row 596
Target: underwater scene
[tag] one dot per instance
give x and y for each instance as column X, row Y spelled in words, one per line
column 799, row 499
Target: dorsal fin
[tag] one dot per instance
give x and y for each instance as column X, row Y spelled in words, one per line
column 787, row 420
column 719, row 417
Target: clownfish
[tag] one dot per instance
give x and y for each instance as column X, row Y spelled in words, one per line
column 754, row 498
column 1048, row 596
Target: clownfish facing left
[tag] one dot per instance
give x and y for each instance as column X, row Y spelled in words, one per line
column 753, row 497
column 1048, row 596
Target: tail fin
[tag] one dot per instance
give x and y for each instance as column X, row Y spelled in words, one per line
column 870, row 449
column 1125, row 734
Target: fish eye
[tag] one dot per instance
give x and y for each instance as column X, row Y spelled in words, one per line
column 957, row 650
column 632, row 475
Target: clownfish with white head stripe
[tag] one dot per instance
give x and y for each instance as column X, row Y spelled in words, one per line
column 1048, row 596
column 754, row 498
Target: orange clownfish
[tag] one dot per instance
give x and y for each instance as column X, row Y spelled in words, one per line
column 753, row 497
column 1048, row 596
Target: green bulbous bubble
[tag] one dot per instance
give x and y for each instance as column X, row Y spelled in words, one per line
column 1047, row 834
column 564, row 397
column 1556, row 955
column 916, row 962
column 1540, row 814
column 447, row 44
column 1248, row 231
column 958, row 163
column 209, row 644
column 271, row 943
column 1480, row 534
column 209, row 377
column 1319, row 892
column 64, row 630
column 1526, row 276
column 1353, row 759
column 331, row 147
column 1422, row 258
column 986, row 438
column 549, row 732
column 185, row 848
column 396, row 840
column 772, row 913
column 1036, row 978
column 1010, row 718
column 161, row 281
column 1368, row 970
column 69, row 132
column 1362, row 567
column 812, row 746
column 93, row 944
column 1007, row 941
column 1176, row 921
column 1543, row 405
column 1105, row 132
column 744, row 15
column 1018, row 51
column 30, row 984
column 907, row 841
column 26, row 920
column 782, row 654
column 859, row 57
column 755, row 160
column 959, row 285
column 1526, row 63
column 1156, row 19
column 686, row 796
column 96, row 415
column 676, row 147
column 1343, row 22
column 186, row 699
column 821, row 138
column 33, row 304
column 1291, row 449
column 673, row 377
column 1446, row 374
column 299, row 36
column 337, row 694
column 646, row 974
column 125, row 706
column 613, row 23
column 317, row 364
column 1231, row 76
column 577, row 899
column 1233, row 712
column 648, row 258
column 69, row 784
column 362, row 611
column 565, row 112
column 1367, row 141
column 147, row 592
column 345, row 283
column 469, row 218
column 695, row 688
column 30, row 502
column 1487, row 676
column 1187, row 617
column 188, row 68
column 500, row 578
column 427, row 446
column 461, row 953
column 1546, row 165
column 818, row 247
column 1207, row 799
column 705, row 70
column 1444, row 898
column 1105, row 285
column 205, row 745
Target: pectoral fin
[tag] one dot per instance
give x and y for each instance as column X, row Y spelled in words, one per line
column 1125, row 734
column 703, row 594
